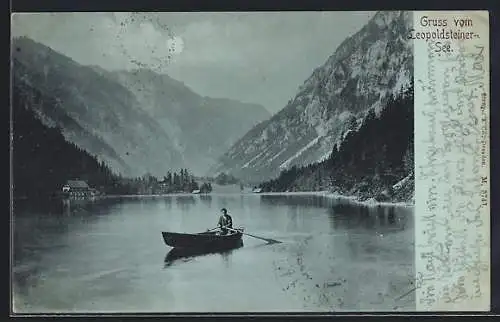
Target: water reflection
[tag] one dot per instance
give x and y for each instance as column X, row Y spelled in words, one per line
column 185, row 202
column 58, row 209
column 296, row 200
column 206, row 199
column 42, row 226
column 54, row 215
column 242, row 201
column 391, row 216
column 375, row 218
column 226, row 202
column 167, row 202
column 293, row 218
column 94, row 256
column 226, row 258
column 185, row 254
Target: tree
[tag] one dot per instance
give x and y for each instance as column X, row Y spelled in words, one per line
column 370, row 158
column 169, row 179
column 176, row 182
column 408, row 161
column 194, row 185
column 37, row 172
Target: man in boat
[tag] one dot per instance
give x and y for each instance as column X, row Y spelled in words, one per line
column 225, row 221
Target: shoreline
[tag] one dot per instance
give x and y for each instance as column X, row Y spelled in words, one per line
column 371, row 201
column 327, row 194
column 353, row 199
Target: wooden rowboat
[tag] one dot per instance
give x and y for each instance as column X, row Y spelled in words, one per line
column 207, row 241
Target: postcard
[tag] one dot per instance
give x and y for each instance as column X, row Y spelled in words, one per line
column 250, row 162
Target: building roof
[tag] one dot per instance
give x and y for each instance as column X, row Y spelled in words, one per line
column 77, row 184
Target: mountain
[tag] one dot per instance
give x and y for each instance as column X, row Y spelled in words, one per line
column 97, row 114
column 39, row 168
column 371, row 162
column 361, row 75
column 138, row 121
column 202, row 128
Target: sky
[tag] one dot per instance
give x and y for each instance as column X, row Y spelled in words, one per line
column 255, row 57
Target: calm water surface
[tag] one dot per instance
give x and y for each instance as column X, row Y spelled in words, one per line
column 109, row 256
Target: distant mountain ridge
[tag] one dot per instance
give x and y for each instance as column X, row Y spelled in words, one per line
column 44, row 160
column 199, row 125
column 107, row 115
column 374, row 162
column 362, row 74
column 101, row 107
column 47, row 109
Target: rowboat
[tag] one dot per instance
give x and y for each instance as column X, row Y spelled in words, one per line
column 205, row 241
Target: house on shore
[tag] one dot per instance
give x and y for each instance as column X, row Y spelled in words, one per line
column 78, row 189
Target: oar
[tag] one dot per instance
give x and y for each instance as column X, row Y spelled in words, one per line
column 269, row 240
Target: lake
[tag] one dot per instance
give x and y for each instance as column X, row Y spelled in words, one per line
column 108, row 256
